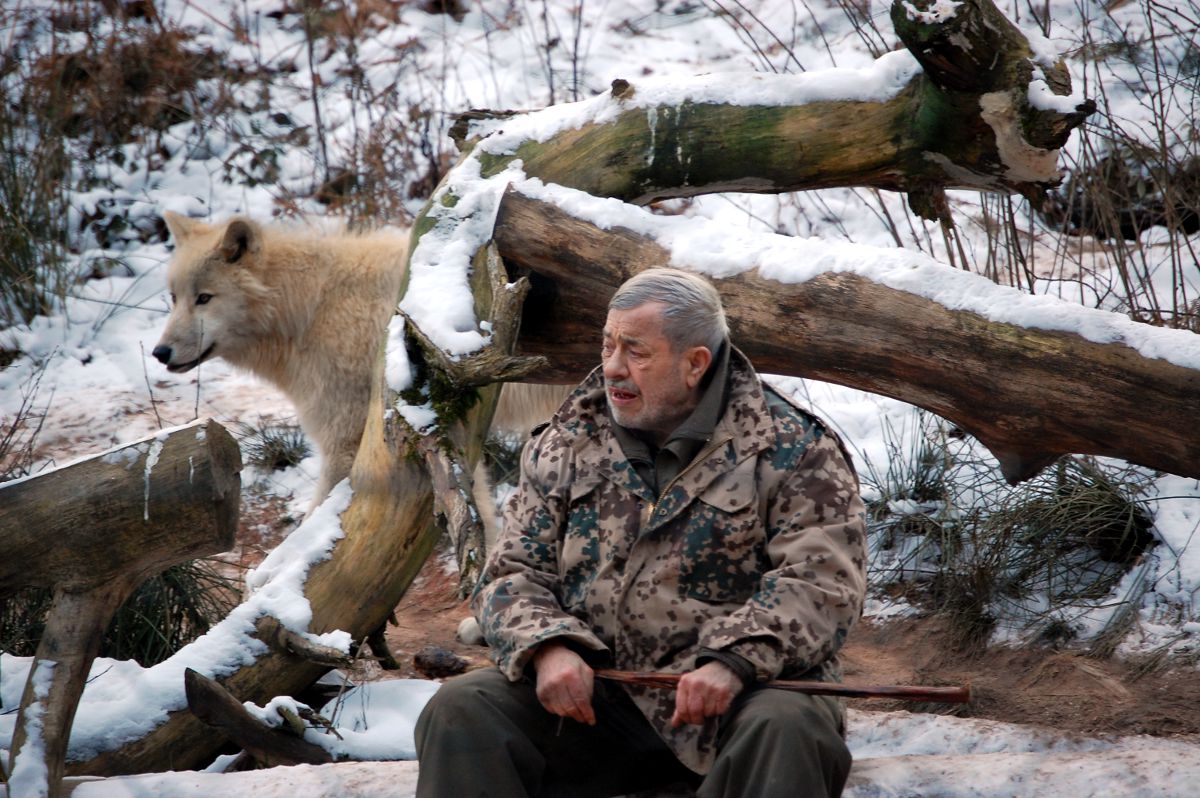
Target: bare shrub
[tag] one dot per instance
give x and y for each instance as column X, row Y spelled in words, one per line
column 274, row 446
column 951, row 536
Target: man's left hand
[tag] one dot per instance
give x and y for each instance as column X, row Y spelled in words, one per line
column 704, row 693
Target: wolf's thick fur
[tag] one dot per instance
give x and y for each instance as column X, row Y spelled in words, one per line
column 304, row 311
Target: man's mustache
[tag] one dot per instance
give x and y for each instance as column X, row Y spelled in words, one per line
column 622, row 385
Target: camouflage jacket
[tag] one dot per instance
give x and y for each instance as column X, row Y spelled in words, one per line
column 756, row 548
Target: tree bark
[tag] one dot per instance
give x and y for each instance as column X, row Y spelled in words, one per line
column 1029, row 395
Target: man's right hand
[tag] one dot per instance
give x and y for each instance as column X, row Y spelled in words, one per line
column 564, row 682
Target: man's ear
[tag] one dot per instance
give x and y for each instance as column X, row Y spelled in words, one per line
column 698, row 359
column 181, row 227
column 241, row 236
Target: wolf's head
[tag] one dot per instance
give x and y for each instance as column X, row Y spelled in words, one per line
column 215, row 292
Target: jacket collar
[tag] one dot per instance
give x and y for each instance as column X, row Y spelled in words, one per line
column 743, row 430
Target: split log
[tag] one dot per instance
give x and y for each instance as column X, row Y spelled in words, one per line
column 94, row 531
column 1029, row 395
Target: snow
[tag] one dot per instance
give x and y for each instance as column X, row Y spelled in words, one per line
column 99, row 389
column 29, row 773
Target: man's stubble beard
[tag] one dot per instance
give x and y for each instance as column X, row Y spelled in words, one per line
column 661, row 419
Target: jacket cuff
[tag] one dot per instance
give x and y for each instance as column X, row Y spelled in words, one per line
column 742, row 668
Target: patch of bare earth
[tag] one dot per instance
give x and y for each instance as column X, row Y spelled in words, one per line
column 1040, row 686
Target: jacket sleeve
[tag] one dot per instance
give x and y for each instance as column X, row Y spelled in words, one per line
column 518, row 602
column 813, row 593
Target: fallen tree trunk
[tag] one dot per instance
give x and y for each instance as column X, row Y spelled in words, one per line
column 964, row 120
column 1029, row 395
column 388, row 536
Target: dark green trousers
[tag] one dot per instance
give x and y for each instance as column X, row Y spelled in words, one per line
column 482, row 735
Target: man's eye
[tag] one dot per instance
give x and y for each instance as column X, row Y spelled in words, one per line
column 202, row 299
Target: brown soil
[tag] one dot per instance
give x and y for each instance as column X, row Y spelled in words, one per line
column 1043, row 686
column 1052, row 688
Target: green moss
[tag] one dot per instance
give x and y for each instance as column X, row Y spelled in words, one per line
column 491, row 165
column 451, row 402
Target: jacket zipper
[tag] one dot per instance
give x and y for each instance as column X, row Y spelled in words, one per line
column 654, row 511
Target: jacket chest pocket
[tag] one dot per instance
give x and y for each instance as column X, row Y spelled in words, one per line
column 722, row 545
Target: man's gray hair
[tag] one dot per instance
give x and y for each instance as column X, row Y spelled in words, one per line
column 693, row 315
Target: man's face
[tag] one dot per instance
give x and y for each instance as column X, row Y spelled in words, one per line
column 649, row 386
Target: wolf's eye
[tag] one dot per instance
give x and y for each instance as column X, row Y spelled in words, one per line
column 202, row 299
column 172, row 297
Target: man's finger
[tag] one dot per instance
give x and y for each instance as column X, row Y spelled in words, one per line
column 689, row 704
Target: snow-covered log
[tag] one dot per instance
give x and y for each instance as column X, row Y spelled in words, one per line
column 968, row 104
column 1033, row 378
column 348, row 564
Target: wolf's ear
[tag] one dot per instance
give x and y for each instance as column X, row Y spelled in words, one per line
column 241, row 236
column 181, row 227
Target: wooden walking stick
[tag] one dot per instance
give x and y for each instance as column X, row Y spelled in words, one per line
column 900, row 692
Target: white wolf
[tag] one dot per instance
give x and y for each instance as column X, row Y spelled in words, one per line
column 306, row 312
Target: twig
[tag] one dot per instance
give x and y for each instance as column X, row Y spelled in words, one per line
column 146, row 375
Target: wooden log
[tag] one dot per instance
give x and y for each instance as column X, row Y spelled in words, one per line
column 388, row 537
column 93, row 531
column 963, row 121
column 214, row 705
column 132, row 511
column 1029, row 395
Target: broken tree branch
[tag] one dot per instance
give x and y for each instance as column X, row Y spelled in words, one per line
column 213, row 704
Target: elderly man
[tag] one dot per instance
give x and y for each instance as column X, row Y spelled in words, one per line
column 675, row 515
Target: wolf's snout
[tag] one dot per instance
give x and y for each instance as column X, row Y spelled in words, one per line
column 162, row 354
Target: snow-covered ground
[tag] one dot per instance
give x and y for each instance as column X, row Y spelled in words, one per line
column 87, row 368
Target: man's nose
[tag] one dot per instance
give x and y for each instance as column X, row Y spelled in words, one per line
column 614, row 367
